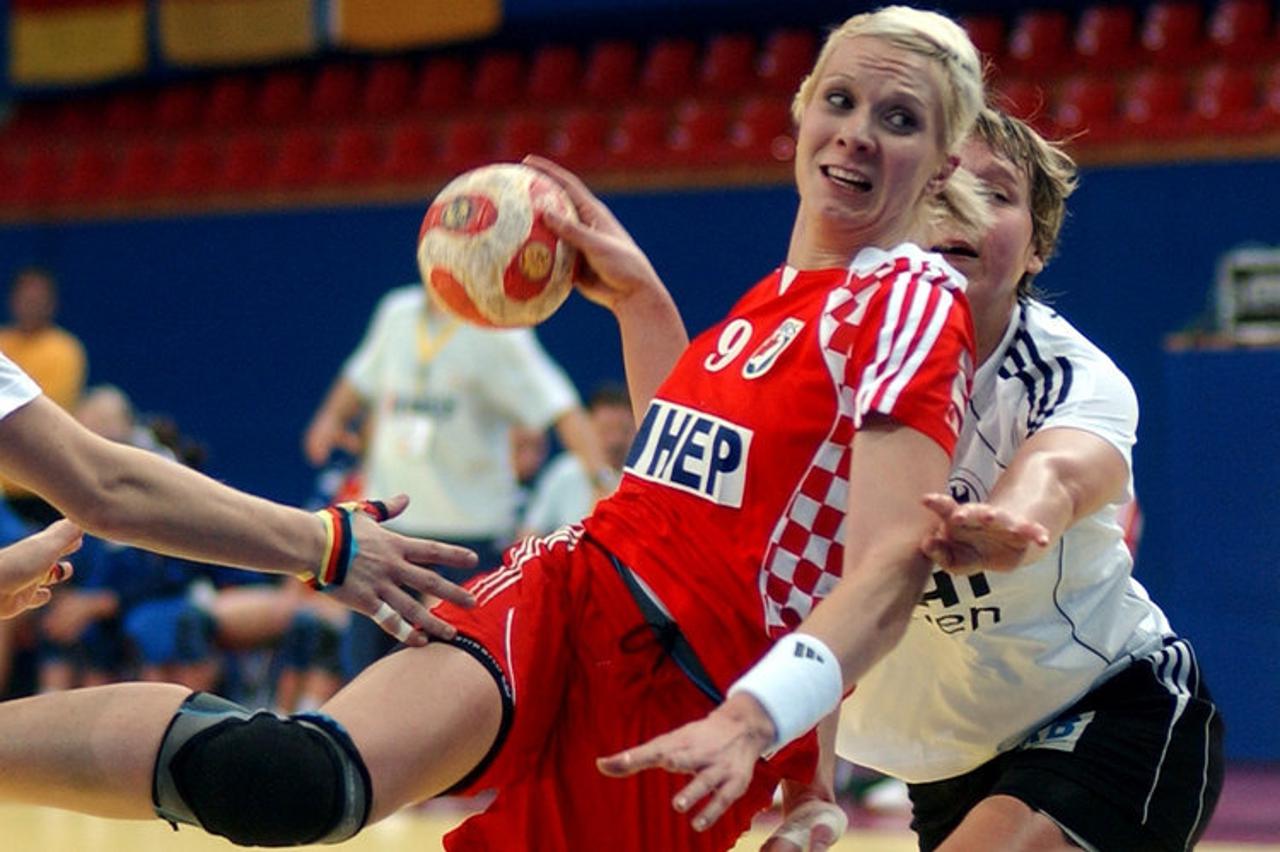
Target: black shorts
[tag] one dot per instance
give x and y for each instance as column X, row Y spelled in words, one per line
column 1134, row 765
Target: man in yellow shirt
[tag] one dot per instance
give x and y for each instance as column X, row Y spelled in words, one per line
column 50, row 354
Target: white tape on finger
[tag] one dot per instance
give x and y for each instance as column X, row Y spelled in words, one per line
column 799, row 825
column 384, row 613
column 403, row 630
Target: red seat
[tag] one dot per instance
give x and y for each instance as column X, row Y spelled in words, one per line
column 521, row 133
column 334, row 92
column 1225, row 101
column 442, row 83
column 554, row 74
column 302, row 159
column 143, row 168
column 1088, row 105
column 1020, row 98
column 610, row 74
column 387, row 87
column 580, row 139
column 40, row 172
column 786, row 58
column 410, row 152
column 728, row 65
column 498, row 79
column 71, row 116
column 669, row 68
column 228, row 102
column 248, row 162
column 701, row 132
column 89, row 175
column 1240, row 30
column 1156, row 103
column 356, row 155
column 1040, row 41
column 281, row 97
column 465, row 143
column 987, row 34
column 1171, row 33
column 1105, row 38
column 126, row 112
column 195, row 167
column 762, row 130
column 178, row 107
column 640, row 137
column 1270, row 96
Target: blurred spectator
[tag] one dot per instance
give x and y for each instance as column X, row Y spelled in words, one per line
column 442, row 396
column 50, row 355
column 529, row 449
column 566, row 491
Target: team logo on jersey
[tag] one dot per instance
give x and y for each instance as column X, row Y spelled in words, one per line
column 692, row 451
column 767, row 353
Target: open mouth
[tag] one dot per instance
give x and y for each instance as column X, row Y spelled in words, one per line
column 847, row 178
column 956, row 249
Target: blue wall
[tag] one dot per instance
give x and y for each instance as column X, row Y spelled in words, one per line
column 235, row 324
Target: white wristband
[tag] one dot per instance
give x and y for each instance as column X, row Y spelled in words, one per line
column 798, row 683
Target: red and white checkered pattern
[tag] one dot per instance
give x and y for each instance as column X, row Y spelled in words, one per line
column 805, row 557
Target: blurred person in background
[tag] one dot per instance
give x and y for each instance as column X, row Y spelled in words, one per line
column 49, row 354
column 565, row 491
column 441, row 397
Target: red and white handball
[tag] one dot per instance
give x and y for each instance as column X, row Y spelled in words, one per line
column 486, row 253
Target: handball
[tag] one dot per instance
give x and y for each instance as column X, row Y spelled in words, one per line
column 486, row 253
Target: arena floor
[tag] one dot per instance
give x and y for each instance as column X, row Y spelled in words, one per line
column 1247, row 820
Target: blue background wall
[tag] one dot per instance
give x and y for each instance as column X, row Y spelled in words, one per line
column 236, row 323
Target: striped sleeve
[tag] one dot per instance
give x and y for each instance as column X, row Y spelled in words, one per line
column 914, row 360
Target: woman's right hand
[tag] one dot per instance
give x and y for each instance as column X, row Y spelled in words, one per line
column 613, row 269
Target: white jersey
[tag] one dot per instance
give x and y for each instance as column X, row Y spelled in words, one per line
column 988, row 658
column 563, row 495
column 16, row 387
column 444, row 395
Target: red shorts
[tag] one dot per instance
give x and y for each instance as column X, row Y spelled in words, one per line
column 587, row 678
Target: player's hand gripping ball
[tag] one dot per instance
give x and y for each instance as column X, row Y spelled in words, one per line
column 486, row 253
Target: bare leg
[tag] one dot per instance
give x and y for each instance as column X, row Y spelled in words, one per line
column 1008, row 824
column 89, row 750
column 422, row 718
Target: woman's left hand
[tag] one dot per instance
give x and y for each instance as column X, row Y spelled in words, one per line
column 720, row 752
column 973, row 537
column 30, row 566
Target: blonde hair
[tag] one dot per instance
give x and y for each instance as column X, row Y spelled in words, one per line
column 1051, row 176
column 929, row 34
column 960, row 205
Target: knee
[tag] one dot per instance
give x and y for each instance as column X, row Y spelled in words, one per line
column 259, row 779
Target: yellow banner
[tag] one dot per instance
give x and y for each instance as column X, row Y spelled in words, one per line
column 401, row 24
column 69, row 45
column 233, row 32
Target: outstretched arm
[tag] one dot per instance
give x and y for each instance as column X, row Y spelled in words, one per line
column 128, row 495
column 1057, row 477
column 330, row 427
column 616, row 274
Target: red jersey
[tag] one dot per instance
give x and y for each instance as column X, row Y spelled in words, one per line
column 732, row 505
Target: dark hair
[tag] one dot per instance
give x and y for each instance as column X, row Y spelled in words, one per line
column 609, row 393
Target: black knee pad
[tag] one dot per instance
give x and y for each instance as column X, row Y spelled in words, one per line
column 259, row 779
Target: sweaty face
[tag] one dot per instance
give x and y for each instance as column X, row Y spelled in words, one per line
column 1005, row 253
column 869, row 140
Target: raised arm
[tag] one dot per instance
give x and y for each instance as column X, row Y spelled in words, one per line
column 1057, row 477
column 128, row 495
column 330, row 427
column 617, row 275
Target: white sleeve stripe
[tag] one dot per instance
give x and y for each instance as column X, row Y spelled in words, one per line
column 937, row 319
column 869, row 385
column 882, row 383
